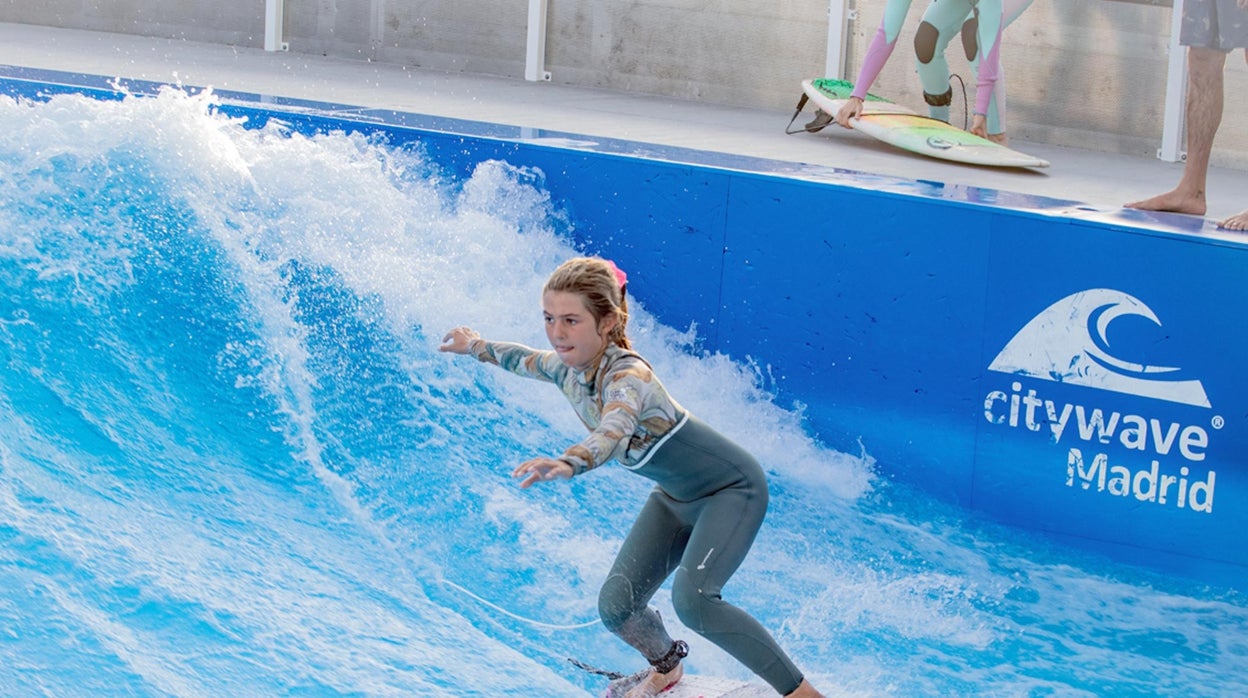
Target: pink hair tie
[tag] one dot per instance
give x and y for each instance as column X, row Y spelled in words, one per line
column 620, row 277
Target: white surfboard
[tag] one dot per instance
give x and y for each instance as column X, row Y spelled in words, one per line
column 906, row 129
column 694, row 686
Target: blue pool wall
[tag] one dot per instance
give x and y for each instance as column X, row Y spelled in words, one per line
column 878, row 305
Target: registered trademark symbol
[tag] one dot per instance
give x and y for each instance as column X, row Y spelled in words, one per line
column 1218, row 422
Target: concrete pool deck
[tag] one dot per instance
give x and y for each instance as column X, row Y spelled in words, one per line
column 1102, row 181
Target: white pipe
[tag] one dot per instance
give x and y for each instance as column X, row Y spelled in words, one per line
column 376, row 28
column 273, row 15
column 535, row 52
column 838, row 31
column 1176, row 93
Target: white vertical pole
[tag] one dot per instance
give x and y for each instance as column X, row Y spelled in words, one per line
column 376, row 27
column 838, row 29
column 535, row 52
column 1176, row 93
column 273, row 14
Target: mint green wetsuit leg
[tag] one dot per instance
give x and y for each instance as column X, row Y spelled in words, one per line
column 946, row 18
column 940, row 23
column 703, row 538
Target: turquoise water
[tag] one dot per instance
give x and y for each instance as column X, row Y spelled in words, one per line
column 233, row 462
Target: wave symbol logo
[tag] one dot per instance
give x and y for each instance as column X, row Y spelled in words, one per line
column 1067, row 343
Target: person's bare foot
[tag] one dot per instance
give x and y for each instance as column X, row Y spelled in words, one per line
column 1238, row 221
column 1174, row 201
column 999, row 138
column 656, row 683
column 805, row 690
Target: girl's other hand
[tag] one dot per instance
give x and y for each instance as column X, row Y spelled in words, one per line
column 458, row 340
column 541, row 470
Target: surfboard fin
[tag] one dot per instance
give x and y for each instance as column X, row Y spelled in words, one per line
column 821, row 119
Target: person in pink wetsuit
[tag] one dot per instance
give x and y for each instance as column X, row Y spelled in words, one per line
column 981, row 23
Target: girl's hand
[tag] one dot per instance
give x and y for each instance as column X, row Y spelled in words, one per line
column 458, row 340
column 541, row 470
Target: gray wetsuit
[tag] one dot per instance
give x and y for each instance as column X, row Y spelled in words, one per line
column 699, row 521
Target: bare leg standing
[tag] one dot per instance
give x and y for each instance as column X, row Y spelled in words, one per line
column 1204, row 115
column 1210, row 29
column 1238, row 221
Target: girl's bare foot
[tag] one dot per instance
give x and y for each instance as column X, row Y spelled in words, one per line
column 805, row 690
column 656, row 683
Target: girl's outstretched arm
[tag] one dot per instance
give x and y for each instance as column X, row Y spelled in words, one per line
column 516, row 358
column 541, row 470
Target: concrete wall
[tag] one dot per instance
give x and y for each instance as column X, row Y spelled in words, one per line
column 234, row 22
column 1083, row 73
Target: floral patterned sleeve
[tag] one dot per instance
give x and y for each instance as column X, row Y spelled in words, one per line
column 627, row 418
column 519, row 359
column 622, row 399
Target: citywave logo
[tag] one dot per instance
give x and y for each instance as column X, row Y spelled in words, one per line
column 1067, row 343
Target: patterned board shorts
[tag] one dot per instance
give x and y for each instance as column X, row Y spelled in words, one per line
column 1216, row 24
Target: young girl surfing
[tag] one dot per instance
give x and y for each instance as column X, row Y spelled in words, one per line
column 710, row 496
